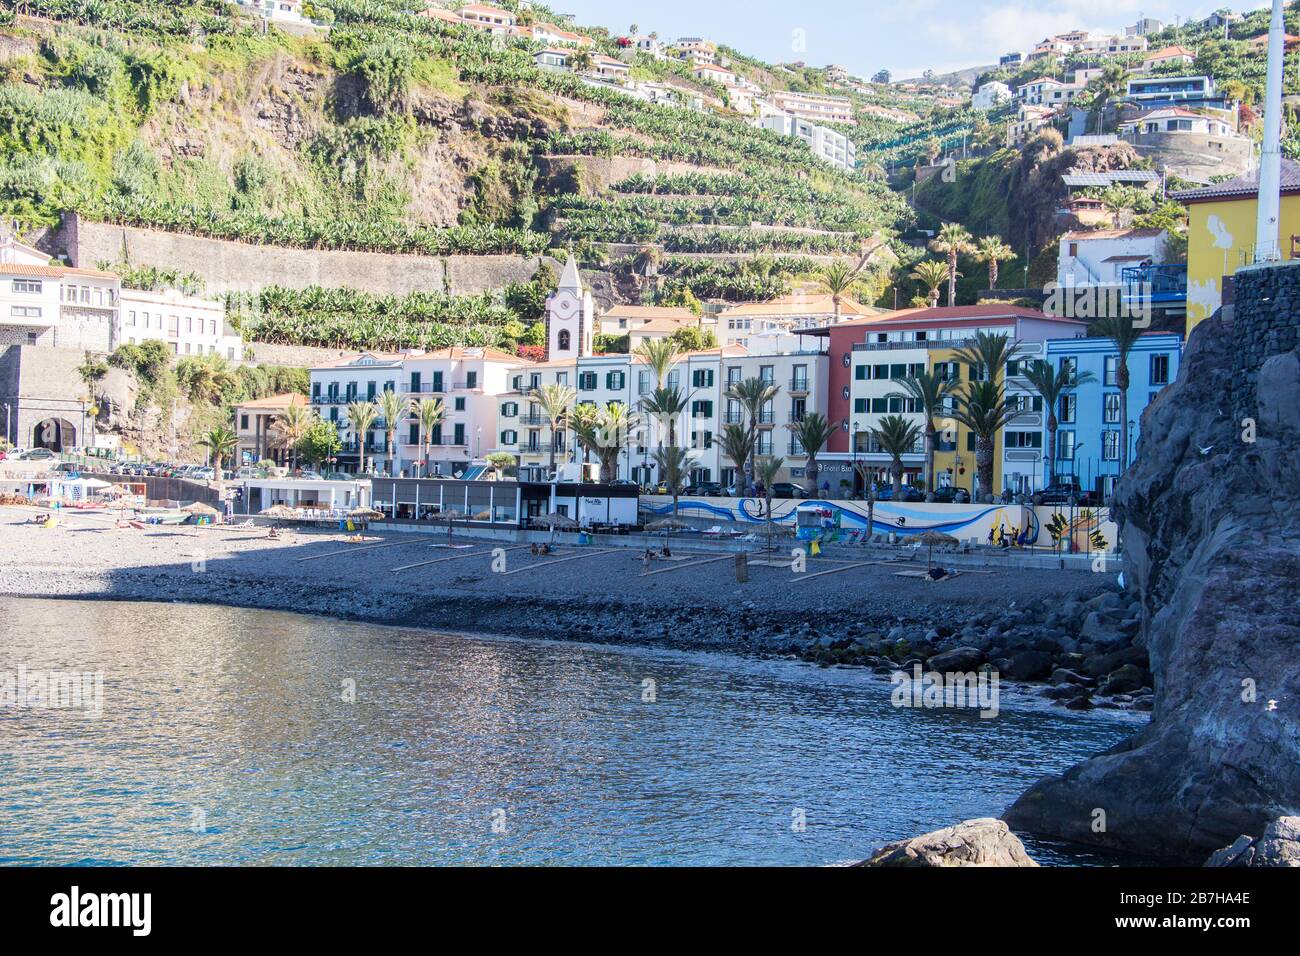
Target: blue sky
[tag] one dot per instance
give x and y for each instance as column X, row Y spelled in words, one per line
column 903, row 36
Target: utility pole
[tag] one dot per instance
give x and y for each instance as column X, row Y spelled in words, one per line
column 1270, row 160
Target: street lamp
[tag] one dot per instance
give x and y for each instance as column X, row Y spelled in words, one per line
column 854, row 439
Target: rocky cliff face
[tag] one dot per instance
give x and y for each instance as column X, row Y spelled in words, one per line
column 1212, row 547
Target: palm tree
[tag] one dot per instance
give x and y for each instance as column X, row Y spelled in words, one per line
column 752, row 394
column 988, row 354
column 953, row 239
column 869, row 483
column 932, row 274
column 984, row 410
column 992, row 249
column 734, row 439
column 391, row 406
column 291, row 425
column 555, row 400
column 674, row 465
column 813, row 432
column 429, row 411
column 874, row 171
column 660, row 355
column 666, row 405
column 896, row 436
column 929, row 391
column 839, row 279
column 220, row 441
column 767, row 468
column 1051, row 384
column 603, row 432
column 1121, row 330
column 361, row 418
column 1116, row 200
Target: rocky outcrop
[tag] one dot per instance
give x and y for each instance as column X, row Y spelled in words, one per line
column 983, row 842
column 1212, row 549
column 1279, row 846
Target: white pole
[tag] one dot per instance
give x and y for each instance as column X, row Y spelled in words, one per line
column 1270, row 161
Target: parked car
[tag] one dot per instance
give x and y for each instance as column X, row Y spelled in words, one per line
column 952, row 496
column 787, row 489
column 706, row 489
column 39, row 454
column 1064, row 493
column 886, row 493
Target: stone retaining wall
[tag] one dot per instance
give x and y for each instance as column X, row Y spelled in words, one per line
column 1266, row 322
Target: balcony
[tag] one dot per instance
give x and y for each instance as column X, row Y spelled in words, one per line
column 423, row 388
column 736, row 418
column 532, row 419
column 466, row 386
column 798, row 386
column 766, row 419
column 796, row 450
column 1155, row 285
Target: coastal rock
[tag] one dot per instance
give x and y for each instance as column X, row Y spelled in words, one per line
column 1212, row 548
column 1028, row 665
column 957, row 659
column 1278, row 846
column 982, row 842
column 1123, row 680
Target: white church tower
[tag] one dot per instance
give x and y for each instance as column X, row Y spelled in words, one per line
column 570, row 317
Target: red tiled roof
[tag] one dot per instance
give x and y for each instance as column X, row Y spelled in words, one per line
column 54, row 272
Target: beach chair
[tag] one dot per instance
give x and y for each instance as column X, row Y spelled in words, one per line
column 715, row 531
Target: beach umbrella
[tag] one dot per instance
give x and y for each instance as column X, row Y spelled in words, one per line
column 932, row 537
column 367, row 514
column 199, row 508
column 279, row 511
column 666, row 524
column 555, row 521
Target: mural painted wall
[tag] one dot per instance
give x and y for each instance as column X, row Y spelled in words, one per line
column 978, row 522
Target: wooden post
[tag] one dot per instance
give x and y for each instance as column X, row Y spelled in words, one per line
column 742, row 568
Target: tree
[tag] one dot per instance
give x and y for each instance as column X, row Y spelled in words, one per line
column 665, row 405
column 838, row 279
column 205, row 378
column 290, row 426
column 674, row 465
column 988, row 354
column 1051, row 384
column 604, row 433
column 992, row 250
column 984, row 409
column 319, row 443
column 932, row 274
column 690, row 339
column 555, row 400
column 953, row 240
column 429, row 412
column 500, row 461
column 1121, row 330
column 361, row 418
column 1117, row 200
column 767, row 469
column 221, row 442
column 391, row 407
column 660, row 355
column 580, row 61
column 736, row 444
column 812, row 432
column 896, row 436
column 92, row 372
column 930, row 393
column 752, row 394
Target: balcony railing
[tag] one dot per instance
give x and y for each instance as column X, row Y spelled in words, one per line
column 796, row 449
column 533, row 419
column 798, row 385
column 423, row 388
column 465, row 385
column 733, row 418
column 1155, row 284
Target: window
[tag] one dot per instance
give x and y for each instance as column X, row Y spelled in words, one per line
column 859, row 406
column 798, row 409
column 587, row 381
column 733, row 374
column 701, row 409
column 880, row 371
column 1160, row 369
column 243, row 423
column 562, row 341
column 879, row 406
column 1068, row 405
column 460, row 404
column 860, row 372
column 1110, row 446
column 371, row 388
column 509, row 409
column 643, row 381
column 1110, row 370
column 29, row 286
column 898, row 371
column 561, row 378
column 516, row 383
column 1065, row 446
column 614, row 381
column 702, row 378
column 675, row 378
column 509, row 437
column 471, row 379
column 25, row 311
column 767, row 373
column 1110, row 408
column 1069, row 365
column 702, row 439
column 413, row 435
column 1024, row 439
column 459, row 438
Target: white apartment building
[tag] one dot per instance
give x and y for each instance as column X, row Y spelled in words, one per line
column 695, row 50
column 827, row 144
column 710, row 72
column 1099, row 258
column 1028, row 120
column 803, row 380
column 990, row 95
column 54, row 306
column 875, row 393
column 1046, row 91
column 286, row 11
column 649, row 45
column 488, row 18
column 752, row 324
column 814, row 106
column 1176, row 120
column 355, row 378
column 189, row 325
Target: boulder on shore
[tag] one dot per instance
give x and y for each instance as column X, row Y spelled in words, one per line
column 982, row 842
column 1278, row 846
column 1212, row 545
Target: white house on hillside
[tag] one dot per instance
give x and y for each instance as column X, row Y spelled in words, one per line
column 990, row 95
column 1099, row 258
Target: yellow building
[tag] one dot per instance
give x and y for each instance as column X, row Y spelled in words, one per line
column 954, row 460
column 1221, row 235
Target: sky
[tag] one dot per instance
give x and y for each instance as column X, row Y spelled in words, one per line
column 905, row 37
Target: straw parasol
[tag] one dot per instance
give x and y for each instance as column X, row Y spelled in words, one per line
column 366, row 514
column 933, row 537
column 555, row 521
column 666, row 524
column 279, row 511
column 201, row 509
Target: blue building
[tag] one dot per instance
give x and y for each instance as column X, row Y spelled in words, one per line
column 1089, row 427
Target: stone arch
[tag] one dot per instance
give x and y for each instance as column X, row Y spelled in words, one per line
column 56, row 434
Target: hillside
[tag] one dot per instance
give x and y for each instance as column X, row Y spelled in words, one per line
column 398, row 133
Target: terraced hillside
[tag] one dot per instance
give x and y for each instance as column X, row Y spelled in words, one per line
column 398, row 133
